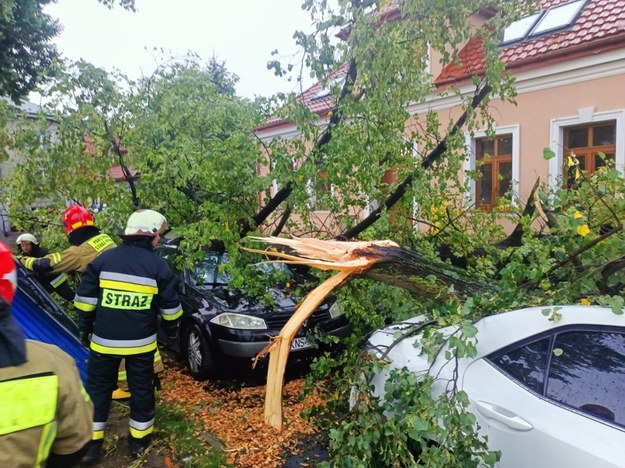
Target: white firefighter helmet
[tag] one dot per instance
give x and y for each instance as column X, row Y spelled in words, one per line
column 145, row 223
column 26, row 237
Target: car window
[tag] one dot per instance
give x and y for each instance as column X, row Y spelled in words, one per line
column 168, row 254
column 269, row 268
column 587, row 372
column 526, row 364
column 207, row 271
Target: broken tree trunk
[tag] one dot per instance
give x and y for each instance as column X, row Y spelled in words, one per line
column 384, row 261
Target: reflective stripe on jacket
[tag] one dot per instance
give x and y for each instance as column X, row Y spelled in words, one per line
column 43, row 407
column 121, row 295
column 72, row 260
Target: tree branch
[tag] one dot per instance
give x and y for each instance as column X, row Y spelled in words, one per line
column 325, row 138
column 401, row 189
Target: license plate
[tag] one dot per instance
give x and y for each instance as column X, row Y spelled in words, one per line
column 299, row 343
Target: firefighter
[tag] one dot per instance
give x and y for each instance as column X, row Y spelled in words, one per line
column 46, row 413
column 121, row 295
column 86, row 244
column 29, row 247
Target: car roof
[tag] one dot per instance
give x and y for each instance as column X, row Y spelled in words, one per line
column 498, row 331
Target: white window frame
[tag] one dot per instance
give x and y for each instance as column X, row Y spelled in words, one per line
column 312, row 195
column 469, row 163
column 584, row 116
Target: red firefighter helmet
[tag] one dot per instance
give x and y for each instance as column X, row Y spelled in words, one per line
column 76, row 217
column 8, row 278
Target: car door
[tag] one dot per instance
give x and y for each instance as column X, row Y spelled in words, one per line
column 554, row 400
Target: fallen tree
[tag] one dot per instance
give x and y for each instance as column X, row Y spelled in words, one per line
column 569, row 262
column 383, row 261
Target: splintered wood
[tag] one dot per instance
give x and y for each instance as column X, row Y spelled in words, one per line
column 345, row 257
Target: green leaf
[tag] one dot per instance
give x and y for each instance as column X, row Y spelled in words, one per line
column 548, row 154
column 469, row 330
column 617, row 303
column 557, row 352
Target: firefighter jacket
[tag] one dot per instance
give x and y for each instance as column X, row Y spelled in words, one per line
column 51, row 281
column 45, row 409
column 121, row 294
column 72, row 260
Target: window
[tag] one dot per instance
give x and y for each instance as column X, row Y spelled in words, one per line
column 557, row 17
column 527, row 364
column 326, row 90
column 589, row 373
column 586, row 117
column 519, row 29
column 321, row 191
column 207, row 271
column 494, row 163
column 593, row 145
column 581, row 369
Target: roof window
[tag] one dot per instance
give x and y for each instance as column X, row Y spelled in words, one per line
column 326, row 90
column 519, row 29
column 556, row 18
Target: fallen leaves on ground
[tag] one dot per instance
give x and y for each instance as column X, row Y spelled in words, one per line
column 235, row 416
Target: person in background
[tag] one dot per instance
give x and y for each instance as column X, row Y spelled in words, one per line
column 121, row 295
column 28, row 246
column 46, row 413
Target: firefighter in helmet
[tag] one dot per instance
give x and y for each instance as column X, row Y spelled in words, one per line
column 28, row 246
column 46, row 413
column 121, row 295
column 86, row 244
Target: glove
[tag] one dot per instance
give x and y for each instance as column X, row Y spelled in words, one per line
column 28, row 262
column 84, row 338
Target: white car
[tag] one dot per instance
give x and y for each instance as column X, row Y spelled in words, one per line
column 546, row 393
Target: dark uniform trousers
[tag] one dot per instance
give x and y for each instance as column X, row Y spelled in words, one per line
column 102, row 380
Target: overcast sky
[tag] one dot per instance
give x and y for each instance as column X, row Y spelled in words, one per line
column 243, row 33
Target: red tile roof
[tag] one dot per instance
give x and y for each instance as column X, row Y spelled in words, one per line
column 319, row 105
column 600, row 27
column 116, row 173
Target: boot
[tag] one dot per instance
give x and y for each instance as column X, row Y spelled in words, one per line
column 92, row 451
column 137, row 447
column 120, row 394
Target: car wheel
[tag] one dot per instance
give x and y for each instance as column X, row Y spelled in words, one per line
column 199, row 358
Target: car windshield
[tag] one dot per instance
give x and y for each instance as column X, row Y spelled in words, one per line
column 207, row 271
column 269, row 268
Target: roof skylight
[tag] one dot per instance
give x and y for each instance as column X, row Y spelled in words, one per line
column 519, row 29
column 326, row 90
column 557, row 17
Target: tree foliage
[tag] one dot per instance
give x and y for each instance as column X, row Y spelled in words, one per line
column 25, row 48
column 126, row 4
column 191, row 139
column 181, row 128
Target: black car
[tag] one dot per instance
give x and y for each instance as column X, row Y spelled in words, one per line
column 223, row 329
